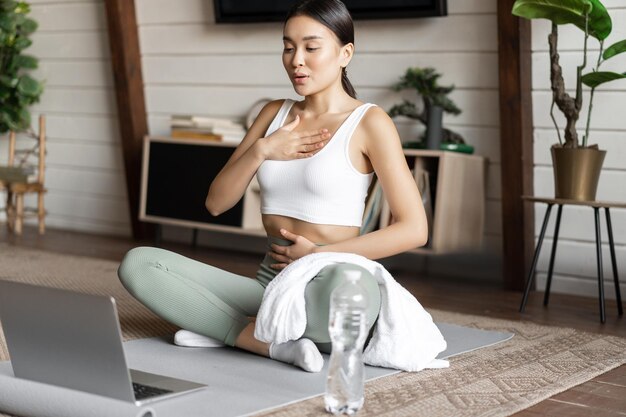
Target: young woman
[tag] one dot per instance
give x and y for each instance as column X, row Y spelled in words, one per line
column 314, row 160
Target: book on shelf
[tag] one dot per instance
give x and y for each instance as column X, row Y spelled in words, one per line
column 210, row 128
column 230, row 135
column 184, row 120
column 231, row 130
column 195, row 134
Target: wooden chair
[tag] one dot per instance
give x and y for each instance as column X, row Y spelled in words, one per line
column 18, row 180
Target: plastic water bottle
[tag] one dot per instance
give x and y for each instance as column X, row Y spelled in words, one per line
column 348, row 330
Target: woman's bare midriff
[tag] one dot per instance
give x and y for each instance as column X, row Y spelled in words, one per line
column 322, row 234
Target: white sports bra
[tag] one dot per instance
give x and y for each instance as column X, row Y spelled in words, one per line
column 324, row 188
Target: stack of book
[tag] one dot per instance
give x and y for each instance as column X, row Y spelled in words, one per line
column 208, row 128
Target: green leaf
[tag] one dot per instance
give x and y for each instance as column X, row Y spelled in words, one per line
column 28, row 26
column 19, row 19
column 8, row 82
column 22, row 43
column 616, row 48
column 407, row 109
column 4, row 94
column 8, row 6
column 26, row 61
column 22, row 7
column 594, row 79
column 29, row 86
column 13, row 122
column 7, row 24
column 4, row 119
column 24, row 119
column 562, row 12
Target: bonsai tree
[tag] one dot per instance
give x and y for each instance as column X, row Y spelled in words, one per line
column 17, row 89
column 424, row 82
column 593, row 19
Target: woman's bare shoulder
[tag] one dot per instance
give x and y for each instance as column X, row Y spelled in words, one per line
column 264, row 118
column 375, row 115
column 376, row 123
column 270, row 109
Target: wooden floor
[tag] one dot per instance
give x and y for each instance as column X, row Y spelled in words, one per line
column 600, row 397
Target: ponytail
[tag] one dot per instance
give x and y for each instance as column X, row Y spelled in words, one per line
column 345, row 82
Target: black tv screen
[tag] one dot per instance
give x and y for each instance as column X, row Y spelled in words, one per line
column 244, row 11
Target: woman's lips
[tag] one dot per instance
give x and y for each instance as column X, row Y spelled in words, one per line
column 300, row 78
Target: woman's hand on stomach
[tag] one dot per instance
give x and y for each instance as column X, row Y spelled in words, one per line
column 285, row 144
column 305, row 237
column 284, row 255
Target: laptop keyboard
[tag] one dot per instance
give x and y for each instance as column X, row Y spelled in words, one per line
column 147, row 391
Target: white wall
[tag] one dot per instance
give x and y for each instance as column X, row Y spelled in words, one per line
column 192, row 65
column 84, row 175
column 575, row 264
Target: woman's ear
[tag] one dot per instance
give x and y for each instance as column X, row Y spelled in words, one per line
column 346, row 53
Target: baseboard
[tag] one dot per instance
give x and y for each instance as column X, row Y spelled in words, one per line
column 582, row 286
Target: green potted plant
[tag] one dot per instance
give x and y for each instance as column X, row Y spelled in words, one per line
column 435, row 103
column 18, row 90
column 577, row 164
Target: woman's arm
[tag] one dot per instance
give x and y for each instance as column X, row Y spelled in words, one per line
column 231, row 182
column 284, row 144
column 410, row 230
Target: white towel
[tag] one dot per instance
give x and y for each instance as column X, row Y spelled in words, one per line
column 404, row 338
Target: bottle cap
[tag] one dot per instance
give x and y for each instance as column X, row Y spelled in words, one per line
column 353, row 275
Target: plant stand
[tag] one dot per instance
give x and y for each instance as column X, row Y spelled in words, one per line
column 596, row 205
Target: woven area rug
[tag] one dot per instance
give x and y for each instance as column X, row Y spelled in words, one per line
column 540, row 361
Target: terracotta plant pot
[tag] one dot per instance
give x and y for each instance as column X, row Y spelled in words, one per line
column 576, row 172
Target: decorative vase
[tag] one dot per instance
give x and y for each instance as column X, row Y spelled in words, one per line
column 434, row 127
column 576, row 172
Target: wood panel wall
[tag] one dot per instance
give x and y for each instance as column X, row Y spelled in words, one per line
column 85, row 173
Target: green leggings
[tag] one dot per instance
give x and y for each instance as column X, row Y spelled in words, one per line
column 216, row 303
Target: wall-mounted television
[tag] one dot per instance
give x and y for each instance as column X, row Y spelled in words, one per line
column 248, row 11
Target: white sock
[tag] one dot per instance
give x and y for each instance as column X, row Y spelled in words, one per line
column 301, row 352
column 191, row 339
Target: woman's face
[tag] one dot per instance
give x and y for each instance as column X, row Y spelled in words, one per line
column 312, row 55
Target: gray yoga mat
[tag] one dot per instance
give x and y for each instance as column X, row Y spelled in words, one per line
column 239, row 383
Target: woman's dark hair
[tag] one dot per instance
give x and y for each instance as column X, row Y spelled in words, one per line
column 335, row 16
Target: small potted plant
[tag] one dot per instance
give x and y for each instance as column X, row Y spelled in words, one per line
column 577, row 164
column 18, row 90
column 435, row 103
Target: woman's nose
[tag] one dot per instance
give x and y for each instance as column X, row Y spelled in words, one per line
column 298, row 59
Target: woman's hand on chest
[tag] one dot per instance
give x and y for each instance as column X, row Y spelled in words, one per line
column 285, row 144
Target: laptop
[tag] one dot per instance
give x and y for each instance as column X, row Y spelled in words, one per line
column 73, row 340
